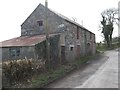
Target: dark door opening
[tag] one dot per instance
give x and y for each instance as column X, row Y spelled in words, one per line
column 62, row 54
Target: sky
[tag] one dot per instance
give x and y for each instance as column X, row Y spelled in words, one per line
column 87, row 13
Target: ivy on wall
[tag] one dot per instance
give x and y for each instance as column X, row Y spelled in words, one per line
column 40, row 50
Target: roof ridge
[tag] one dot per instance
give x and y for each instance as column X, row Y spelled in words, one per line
column 68, row 19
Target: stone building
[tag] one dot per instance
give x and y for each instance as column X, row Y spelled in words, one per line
column 71, row 40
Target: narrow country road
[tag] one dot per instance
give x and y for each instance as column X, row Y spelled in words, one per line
column 100, row 73
column 107, row 75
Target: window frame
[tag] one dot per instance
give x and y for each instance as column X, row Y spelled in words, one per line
column 14, row 52
column 40, row 23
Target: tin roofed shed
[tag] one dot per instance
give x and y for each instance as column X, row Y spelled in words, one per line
column 29, row 47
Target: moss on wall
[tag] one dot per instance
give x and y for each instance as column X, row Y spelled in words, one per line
column 40, row 50
column 54, row 49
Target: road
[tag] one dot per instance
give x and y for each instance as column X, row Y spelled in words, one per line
column 106, row 76
column 101, row 73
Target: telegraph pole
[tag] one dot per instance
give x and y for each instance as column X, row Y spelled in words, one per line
column 47, row 35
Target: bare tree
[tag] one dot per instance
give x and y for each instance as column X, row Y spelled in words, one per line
column 74, row 19
column 109, row 17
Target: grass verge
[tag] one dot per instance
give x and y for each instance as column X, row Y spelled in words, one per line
column 54, row 74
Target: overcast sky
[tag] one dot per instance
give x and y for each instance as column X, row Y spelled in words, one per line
column 14, row 12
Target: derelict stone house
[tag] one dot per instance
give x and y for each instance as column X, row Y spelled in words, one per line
column 68, row 39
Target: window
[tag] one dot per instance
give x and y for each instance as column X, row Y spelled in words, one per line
column 40, row 23
column 71, row 48
column 77, row 32
column 18, row 52
column 14, row 52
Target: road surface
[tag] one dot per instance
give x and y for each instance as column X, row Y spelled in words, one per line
column 106, row 76
column 101, row 73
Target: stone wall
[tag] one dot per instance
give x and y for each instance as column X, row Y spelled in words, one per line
column 55, row 50
column 82, row 45
column 70, row 41
column 74, row 47
column 40, row 50
column 31, row 26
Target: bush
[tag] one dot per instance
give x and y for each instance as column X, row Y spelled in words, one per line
column 20, row 70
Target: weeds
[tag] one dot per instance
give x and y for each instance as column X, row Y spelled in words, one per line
column 20, row 70
column 17, row 71
column 53, row 74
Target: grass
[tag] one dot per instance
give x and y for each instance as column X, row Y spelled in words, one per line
column 103, row 47
column 53, row 74
column 45, row 78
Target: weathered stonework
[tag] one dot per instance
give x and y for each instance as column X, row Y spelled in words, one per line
column 72, row 41
column 40, row 50
column 74, row 47
column 31, row 27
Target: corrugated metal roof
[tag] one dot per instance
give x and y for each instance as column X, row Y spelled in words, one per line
column 24, row 41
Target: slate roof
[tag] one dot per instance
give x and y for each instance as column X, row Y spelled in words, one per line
column 67, row 19
column 62, row 16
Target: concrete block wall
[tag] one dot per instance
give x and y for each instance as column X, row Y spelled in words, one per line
column 0, row 54
column 24, row 52
column 5, row 53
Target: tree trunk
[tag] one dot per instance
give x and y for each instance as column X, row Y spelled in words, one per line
column 107, row 39
column 110, row 40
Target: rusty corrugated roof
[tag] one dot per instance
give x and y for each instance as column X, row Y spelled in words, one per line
column 24, row 41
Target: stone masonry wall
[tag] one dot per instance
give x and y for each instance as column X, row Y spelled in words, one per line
column 40, row 50
column 31, row 26
column 56, row 24
column 70, row 41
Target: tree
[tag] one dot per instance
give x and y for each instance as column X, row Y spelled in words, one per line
column 108, row 21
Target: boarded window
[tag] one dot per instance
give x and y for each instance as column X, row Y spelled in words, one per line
column 40, row 23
